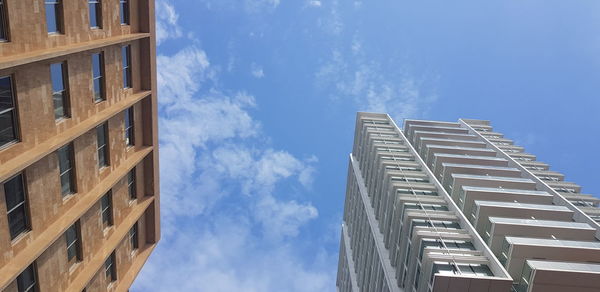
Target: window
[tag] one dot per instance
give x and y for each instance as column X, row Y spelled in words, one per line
column 445, row 244
column 53, row 16
column 126, row 58
column 109, row 268
column 410, row 179
column 73, row 244
column 8, row 112
column 67, row 174
column 102, row 137
column 129, row 127
column 26, row 280
column 59, row 90
column 106, row 210
column 16, row 206
column 95, row 13
column 133, row 239
column 3, row 22
column 124, row 6
column 131, row 184
column 98, row 76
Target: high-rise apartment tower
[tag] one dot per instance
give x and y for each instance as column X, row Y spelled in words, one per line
column 442, row 206
column 78, row 144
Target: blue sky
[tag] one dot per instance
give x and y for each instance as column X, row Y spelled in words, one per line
column 258, row 100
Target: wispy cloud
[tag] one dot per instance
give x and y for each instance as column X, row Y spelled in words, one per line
column 314, row 3
column 228, row 217
column 373, row 85
column 249, row 6
column 166, row 21
column 332, row 21
column 257, row 71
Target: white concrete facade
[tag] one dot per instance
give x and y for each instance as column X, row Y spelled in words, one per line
column 443, row 206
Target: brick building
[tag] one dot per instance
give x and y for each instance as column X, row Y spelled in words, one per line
column 79, row 185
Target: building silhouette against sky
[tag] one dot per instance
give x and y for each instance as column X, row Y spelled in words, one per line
column 442, row 206
column 78, row 144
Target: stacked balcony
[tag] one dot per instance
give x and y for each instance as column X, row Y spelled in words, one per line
column 527, row 214
column 405, row 233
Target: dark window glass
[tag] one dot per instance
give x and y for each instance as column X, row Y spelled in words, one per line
column 102, row 137
column 95, row 13
column 26, row 280
column 106, row 210
column 131, row 184
column 129, row 127
column 8, row 112
column 67, row 173
column 73, row 243
column 133, row 239
column 59, row 90
column 3, row 22
column 16, row 206
column 109, row 268
column 124, row 6
column 126, row 56
column 98, row 76
column 53, row 16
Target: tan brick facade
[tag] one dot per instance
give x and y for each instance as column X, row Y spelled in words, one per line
column 26, row 57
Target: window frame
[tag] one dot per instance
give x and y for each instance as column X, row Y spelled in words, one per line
column 4, row 25
column 26, row 214
column 104, row 160
column 76, row 244
column 57, row 5
column 124, row 12
column 106, row 212
column 100, row 77
column 129, row 129
column 70, row 171
column 66, row 102
column 33, row 286
column 109, row 267
column 126, row 66
column 133, row 237
column 98, row 13
column 132, row 184
column 13, row 112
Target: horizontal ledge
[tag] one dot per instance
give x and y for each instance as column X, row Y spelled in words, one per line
column 40, row 55
column 15, row 266
column 27, row 158
column 127, row 280
column 97, row 261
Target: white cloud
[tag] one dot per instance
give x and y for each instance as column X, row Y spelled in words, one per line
column 166, row 21
column 314, row 3
column 372, row 86
column 260, row 5
column 332, row 23
column 227, row 217
column 180, row 75
column 257, row 71
column 224, row 255
column 281, row 219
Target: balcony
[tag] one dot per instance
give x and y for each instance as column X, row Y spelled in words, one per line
column 483, row 210
column 500, row 227
column 440, row 159
column 431, row 149
column 520, row 249
column 538, row 275
column 454, row 168
column 486, row 181
column 469, row 195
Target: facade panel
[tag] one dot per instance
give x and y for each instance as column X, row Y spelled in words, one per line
column 458, row 207
column 55, row 117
